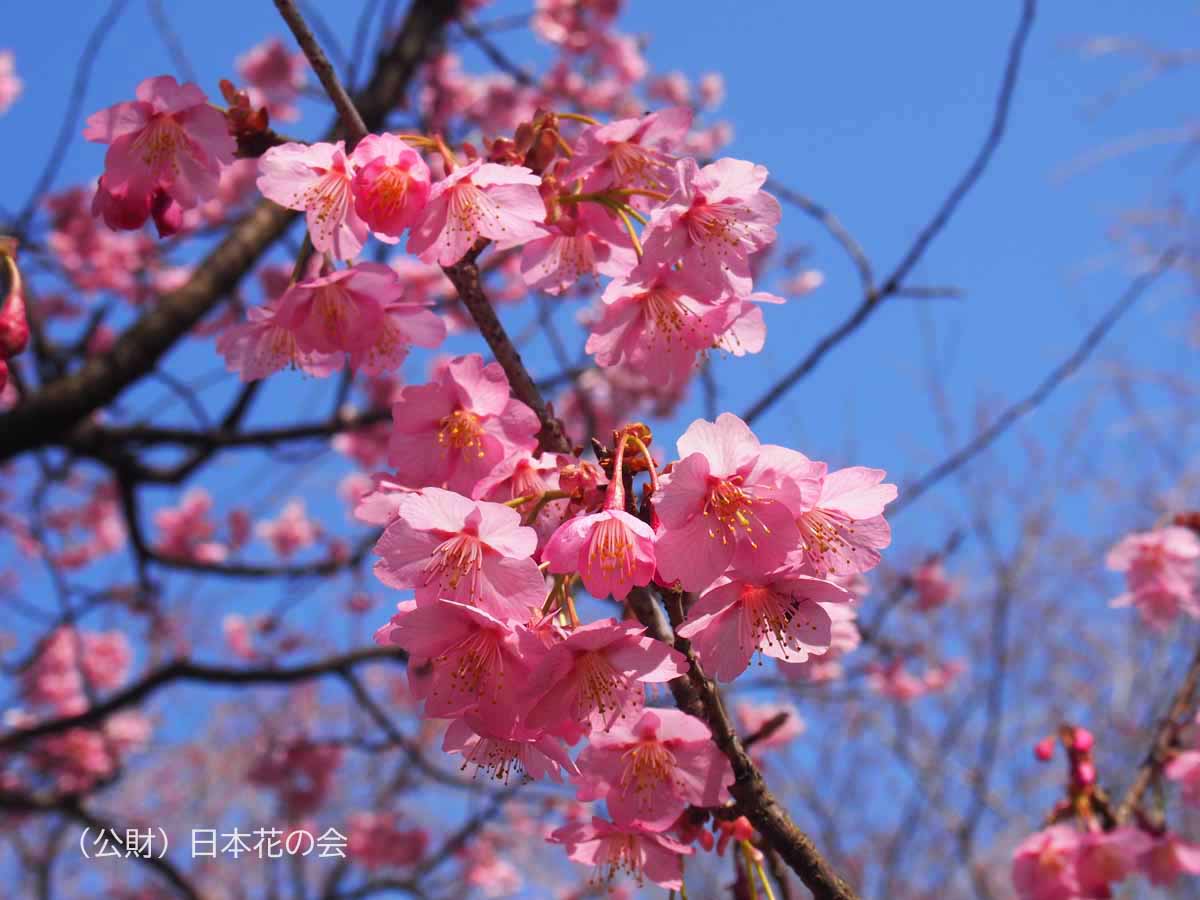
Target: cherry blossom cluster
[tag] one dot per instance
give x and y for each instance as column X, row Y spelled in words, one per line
column 14, row 327
column 1162, row 574
column 1083, row 854
column 70, row 666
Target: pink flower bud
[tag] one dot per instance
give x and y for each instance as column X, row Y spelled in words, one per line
column 1043, row 750
column 1085, row 773
column 1083, row 740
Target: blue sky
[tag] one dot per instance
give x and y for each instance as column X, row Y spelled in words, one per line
column 872, row 109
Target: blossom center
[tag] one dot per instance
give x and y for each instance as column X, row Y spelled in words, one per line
column 648, row 765
column 733, row 508
column 633, row 164
column 612, row 547
column 601, row 687
column 821, row 536
column 158, row 143
column 665, row 311
column 328, row 198
column 476, row 665
column 462, row 430
column 499, row 758
column 390, row 191
column 769, row 615
column 717, row 223
column 455, row 559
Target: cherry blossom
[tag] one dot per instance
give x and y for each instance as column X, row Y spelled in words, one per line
column 478, row 553
column 391, row 185
column 166, row 149
column 477, row 200
column 594, row 677
column 1161, row 572
column 648, row 771
column 630, row 153
column 782, row 616
column 727, row 501
column 275, row 78
column 843, row 530
column 644, row 855
column 10, row 85
column 292, row 531
column 456, row 431
column 522, row 752
column 316, row 178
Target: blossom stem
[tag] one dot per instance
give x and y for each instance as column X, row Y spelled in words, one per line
column 578, row 117
column 615, row 499
column 645, row 451
column 637, row 244
column 546, row 497
column 762, row 875
column 447, row 154
column 748, row 860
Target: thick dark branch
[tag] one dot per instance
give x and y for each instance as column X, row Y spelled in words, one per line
column 186, row 670
column 60, row 405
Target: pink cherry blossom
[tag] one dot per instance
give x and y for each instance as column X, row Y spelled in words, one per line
column 391, row 185
column 594, row 677
column 316, row 178
column 934, row 589
column 651, row 325
column 1161, row 574
column 456, row 431
column 476, row 663
column 630, row 153
column 186, row 530
column 300, row 770
column 727, row 501
column 844, row 637
column 711, row 88
column 1168, row 858
column 648, row 771
column 583, row 241
column 10, row 85
column 358, row 310
column 274, row 77
column 375, row 840
column 292, row 531
column 637, row 852
column 1184, row 768
column 1043, row 866
column 780, row 616
column 443, row 545
column 1105, row 858
column 70, row 663
column 843, row 530
column 529, row 755
column 265, row 343
column 612, row 551
column 754, row 716
column 166, row 149
column 477, row 200
column 717, row 217
column 532, row 477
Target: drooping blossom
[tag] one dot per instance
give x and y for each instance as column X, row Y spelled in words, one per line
column 630, row 153
column 727, row 501
column 10, row 84
column 445, row 546
column 522, row 753
column 843, row 529
column 316, row 178
column 166, row 150
column 455, row 431
column 595, row 677
column 1161, row 574
column 274, row 77
column 649, row 771
column 475, row 662
column 715, row 220
column 612, row 850
column 292, row 531
column 781, row 616
column 1043, row 866
column 391, row 185
column 480, row 199
column 531, row 478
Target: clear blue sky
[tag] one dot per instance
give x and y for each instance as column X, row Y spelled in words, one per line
column 872, row 109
